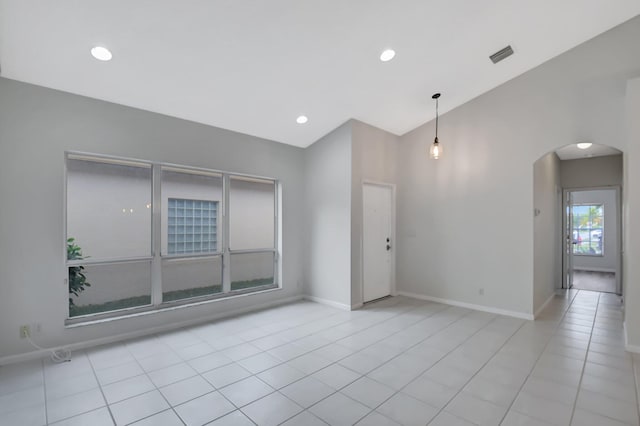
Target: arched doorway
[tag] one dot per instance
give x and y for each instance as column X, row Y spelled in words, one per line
column 577, row 220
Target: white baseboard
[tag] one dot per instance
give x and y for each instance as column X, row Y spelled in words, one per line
column 328, row 302
column 629, row 348
column 544, row 305
column 33, row 355
column 475, row 307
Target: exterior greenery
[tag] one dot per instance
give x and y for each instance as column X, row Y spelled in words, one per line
column 137, row 301
column 241, row 285
column 169, row 296
column 130, row 302
column 77, row 279
column 588, row 227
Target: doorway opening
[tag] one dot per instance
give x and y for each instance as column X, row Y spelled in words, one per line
column 573, row 249
column 592, row 229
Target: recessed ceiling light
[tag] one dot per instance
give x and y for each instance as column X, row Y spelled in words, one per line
column 101, row 53
column 302, row 119
column 584, row 145
column 387, row 55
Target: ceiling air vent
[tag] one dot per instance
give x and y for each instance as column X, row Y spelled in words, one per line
column 501, row 54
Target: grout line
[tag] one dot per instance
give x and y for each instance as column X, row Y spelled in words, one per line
column 478, row 371
column 124, row 345
column 606, row 366
column 215, row 350
column 100, row 387
column 44, row 386
column 358, row 373
column 575, row 401
column 146, row 374
column 334, row 342
column 320, row 318
column 634, row 365
column 403, row 352
column 156, row 336
column 368, row 325
column 81, row 392
column 565, row 310
column 200, row 374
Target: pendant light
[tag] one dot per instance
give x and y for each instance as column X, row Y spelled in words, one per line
column 435, row 152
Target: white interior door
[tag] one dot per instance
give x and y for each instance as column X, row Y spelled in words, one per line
column 376, row 241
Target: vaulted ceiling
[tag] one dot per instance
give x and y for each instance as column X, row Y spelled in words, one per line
column 253, row 66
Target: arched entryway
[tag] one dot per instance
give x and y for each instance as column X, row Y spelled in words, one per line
column 577, row 220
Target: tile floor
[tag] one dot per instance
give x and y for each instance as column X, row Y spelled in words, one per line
column 399, row 361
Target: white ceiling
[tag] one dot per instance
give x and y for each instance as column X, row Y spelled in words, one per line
column 253, row 66
column 572, row 152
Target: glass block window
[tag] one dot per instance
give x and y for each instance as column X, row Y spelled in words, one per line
column 192, row 226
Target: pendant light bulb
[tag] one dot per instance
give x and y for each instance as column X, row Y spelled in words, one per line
column 435, row 151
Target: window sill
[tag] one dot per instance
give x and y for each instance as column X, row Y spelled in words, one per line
column 171, row 306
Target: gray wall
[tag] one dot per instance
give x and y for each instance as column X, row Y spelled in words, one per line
column 374, row 153
column 36, row 126
column 465, row 221
column 591, row 172
column 547, row 229
column 327, row 230
column 336, row 166
column 631, row 212
column 607, row 262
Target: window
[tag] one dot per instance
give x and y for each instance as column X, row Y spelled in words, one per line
column 251, row 232
column 108, row 235
column 192, row 262
column 192, row 226
column 124, row 217
column 588, row 229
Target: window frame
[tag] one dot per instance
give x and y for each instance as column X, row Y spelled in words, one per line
column 273, row 249
column 157, row 257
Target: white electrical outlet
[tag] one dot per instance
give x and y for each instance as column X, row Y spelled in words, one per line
column 25, row 331
column 481, row 292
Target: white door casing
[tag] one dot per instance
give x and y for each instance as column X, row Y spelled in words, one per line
column 567, row 264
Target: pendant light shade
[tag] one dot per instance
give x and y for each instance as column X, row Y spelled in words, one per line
column 435, row 151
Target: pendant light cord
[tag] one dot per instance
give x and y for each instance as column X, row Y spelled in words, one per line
column 436, row 118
